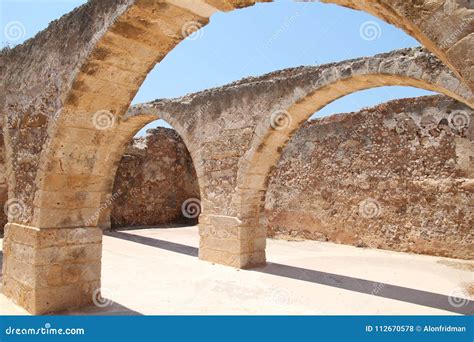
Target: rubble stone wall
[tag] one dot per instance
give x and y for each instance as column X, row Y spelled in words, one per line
column 154, row 178
column 3, row 183
column 398, row 176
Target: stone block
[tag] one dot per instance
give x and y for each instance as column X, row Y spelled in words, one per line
column 59, row 269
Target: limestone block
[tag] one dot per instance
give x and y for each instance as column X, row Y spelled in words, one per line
column 58, row 268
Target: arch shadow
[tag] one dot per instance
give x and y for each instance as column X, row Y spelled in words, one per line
column 359, row 285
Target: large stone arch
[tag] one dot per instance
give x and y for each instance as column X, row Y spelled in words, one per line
column 265, row 150
column 61, row 88
column 239, row 139
column 445, row 27
column 114, row 44
column 58, row 159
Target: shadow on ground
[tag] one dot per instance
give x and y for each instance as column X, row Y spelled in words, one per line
column 162, row 244
column 414, row 296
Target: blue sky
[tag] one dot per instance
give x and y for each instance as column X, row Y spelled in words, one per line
column 247, row 42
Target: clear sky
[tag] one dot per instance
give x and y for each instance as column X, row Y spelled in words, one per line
column 247, row 42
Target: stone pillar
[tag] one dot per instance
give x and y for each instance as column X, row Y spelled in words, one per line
column 51, row 269
column 229, row 241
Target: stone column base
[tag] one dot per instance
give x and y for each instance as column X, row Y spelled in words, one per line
column 223, row 240
column 51, row 269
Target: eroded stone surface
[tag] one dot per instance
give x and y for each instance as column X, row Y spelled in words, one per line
column 155, row 178
column 397, row 176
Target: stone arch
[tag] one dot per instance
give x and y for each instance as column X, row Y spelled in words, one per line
column 59, row 157
column 119, row 42
column 446, row 28
column 129, row 129
column 138, row 37
column 155, row 184
column 249, row 106
column 279, row 125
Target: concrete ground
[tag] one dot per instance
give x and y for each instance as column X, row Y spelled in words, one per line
column 156, row 271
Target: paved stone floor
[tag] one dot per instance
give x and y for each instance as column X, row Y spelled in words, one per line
column 156, row 271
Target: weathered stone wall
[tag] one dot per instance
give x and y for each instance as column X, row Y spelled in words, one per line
column 154, row 178
column 236, row 134
column 398, row 176
column 3, row 183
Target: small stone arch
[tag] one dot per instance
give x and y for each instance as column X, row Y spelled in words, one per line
column 244, row 112
column 281, row 122
column 128, row 129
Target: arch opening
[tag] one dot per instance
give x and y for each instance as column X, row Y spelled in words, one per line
column 276, row 131
column 361, row 178
column 156, row 182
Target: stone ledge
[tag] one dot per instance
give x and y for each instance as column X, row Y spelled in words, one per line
column 239, row 260
column 46, row 237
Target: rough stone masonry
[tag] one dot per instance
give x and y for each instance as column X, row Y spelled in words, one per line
column 398, row 176
column 66, row 92
column 154, row 178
